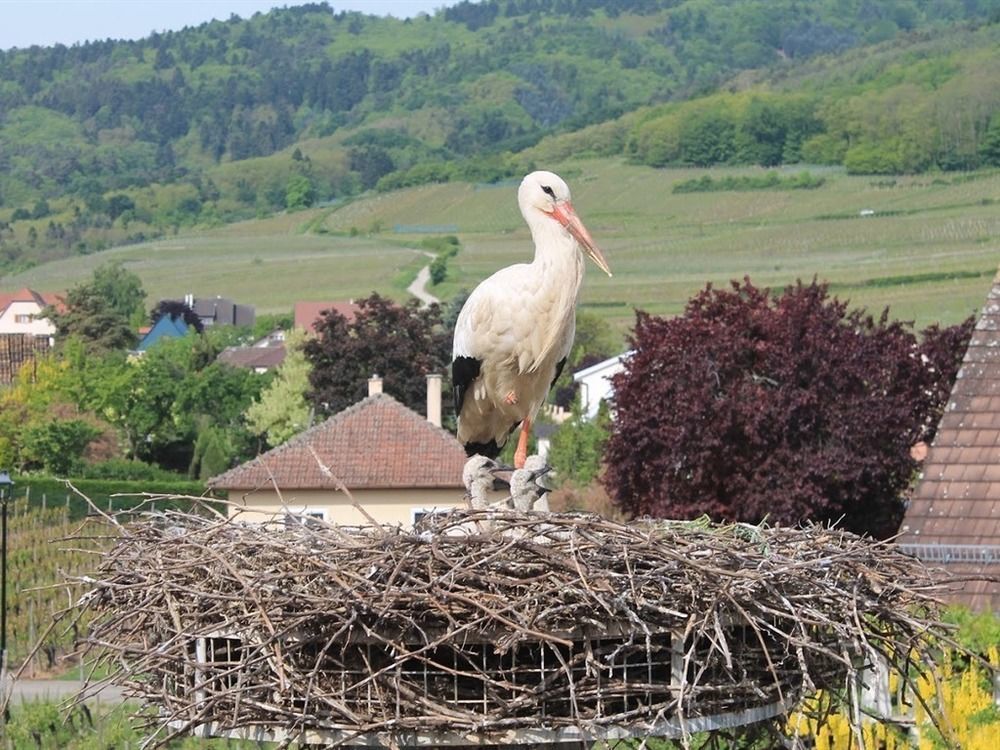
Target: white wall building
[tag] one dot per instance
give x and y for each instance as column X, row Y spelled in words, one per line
column 595, row 383
column 22, row 313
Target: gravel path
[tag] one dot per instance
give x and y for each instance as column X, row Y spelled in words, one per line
column 32, row 690
column 419, row 286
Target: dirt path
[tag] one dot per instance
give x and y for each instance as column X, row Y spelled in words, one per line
column 419, row 286
column 59, row 690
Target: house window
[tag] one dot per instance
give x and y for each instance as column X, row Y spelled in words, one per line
column 24, row 318
column 305, row 517
column 420, row 513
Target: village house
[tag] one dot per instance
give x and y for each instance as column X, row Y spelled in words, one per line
column 396, row 464
column 595, row 383
column 24, row 332
column 953, row 518
column 165, row 327
column 21, row 312
column 220, row 311
column 307, row 314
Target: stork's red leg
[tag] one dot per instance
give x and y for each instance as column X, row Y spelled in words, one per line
column 521, row 454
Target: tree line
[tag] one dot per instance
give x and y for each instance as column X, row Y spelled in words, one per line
column 121, row 141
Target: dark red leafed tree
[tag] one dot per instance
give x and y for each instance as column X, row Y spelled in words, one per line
column 175, row 308
column 401, row 343
column 787, row 408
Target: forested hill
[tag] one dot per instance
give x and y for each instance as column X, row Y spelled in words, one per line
column 116, row 140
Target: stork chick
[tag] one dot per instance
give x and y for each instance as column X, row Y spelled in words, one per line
column 525, row 490
column 516, row 329
column 477, row 476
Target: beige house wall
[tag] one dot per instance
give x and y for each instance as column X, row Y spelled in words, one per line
column 36, row 326
column 388, row 506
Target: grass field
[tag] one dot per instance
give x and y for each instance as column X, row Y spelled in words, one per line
column 929, row 252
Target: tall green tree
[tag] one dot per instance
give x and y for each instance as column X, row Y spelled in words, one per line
column 99, row 311
column 281, row 410
column 577, row 446
column 91, row 318
column 121, row 288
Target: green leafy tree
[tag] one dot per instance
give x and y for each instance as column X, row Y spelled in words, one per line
column 577, row 446
column 299, row 193
column 56, row 446
column 989, row 149
column 98, row 311
column 120, row 287
column 89, row 317
column 212, row 453
column 282, row 411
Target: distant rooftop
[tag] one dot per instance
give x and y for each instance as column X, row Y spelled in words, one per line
column 377, row 442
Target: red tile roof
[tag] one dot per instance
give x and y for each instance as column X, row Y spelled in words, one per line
column 30, row 295
column 953, row 519
column 253, row 357
column 377, row 443
column 306, row 313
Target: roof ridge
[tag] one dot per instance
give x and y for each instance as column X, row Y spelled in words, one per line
column 294, row 441
column 390, row 411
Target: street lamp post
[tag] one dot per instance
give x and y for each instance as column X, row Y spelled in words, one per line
column 6, row 486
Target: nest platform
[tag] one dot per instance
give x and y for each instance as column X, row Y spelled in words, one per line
column 502, row 628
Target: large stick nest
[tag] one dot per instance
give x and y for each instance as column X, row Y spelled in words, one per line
column 480, row 625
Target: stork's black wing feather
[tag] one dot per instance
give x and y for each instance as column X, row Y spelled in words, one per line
column 559, row 368
column 463, row 371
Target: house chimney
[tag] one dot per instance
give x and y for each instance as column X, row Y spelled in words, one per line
column 434, row 399
column 374, row 384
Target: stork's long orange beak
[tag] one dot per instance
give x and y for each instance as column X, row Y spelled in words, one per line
column 566, row 215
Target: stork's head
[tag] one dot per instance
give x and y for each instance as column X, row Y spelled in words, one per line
column 524, row 485
column 478, row 478
column 546, row 194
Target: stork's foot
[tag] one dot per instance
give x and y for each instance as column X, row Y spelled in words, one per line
column 510, row 398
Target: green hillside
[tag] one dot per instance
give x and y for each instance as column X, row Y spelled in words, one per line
column 121, row 141
column 929, row 251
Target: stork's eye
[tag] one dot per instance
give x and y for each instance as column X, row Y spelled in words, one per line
column 550, row 191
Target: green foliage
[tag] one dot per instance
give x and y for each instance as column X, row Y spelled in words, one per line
column 46, row 725
column 124, row 469
column 98, row 312
column 766, row 181
column 299, row 192
column 120, row 287
column 212, row 452
column 243, row 117
column 281, row 410
column 105, row 493
column 403, row 343
column 578, row 445
column 56, row 446
column 977, row 631
column 989, row 149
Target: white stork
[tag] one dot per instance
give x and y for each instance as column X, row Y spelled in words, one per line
column 526, row 491
column 516, row 329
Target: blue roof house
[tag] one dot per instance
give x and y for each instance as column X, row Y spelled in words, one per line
column 166, row 326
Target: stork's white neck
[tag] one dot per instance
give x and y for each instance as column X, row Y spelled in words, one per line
column 557, row 256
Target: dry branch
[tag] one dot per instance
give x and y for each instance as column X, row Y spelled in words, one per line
column 484, row 624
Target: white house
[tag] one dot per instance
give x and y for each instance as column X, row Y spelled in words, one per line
column 595, row 382
column 21, row 313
